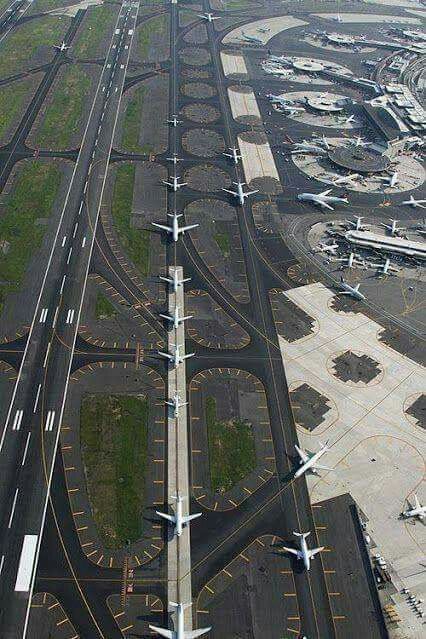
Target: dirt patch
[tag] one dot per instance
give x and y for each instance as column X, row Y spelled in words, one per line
column 254, row 137
column 195, row 74
column 197, row 35
column 207, row 178
column 201, row 113
column 198, row 90
column 203, row 142
column 195, row 56
column 266, row 185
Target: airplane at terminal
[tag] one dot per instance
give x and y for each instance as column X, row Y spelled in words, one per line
column 351, row 259
column 392, row 180
column 179, row 520
column 180, row 632
column 175, row 281
column 358, row 141
column 174, row 159
column 306, row 147
column 322, row 140
column 175, row 230
column 305, row 554
column 359, row 226
column 175, row 403
column 263, row 29
column 176, row 319
column 174, row 184
column 234, row 155
column 239, row 193
column 349, row 119
column 415, row 203
column 353, row 291
column 250, row 38
column 309, row 461
column 175, row 358
column 386, row 267
column 326, row 248
column 417, row 510
column 61, row 47
column 346, row 179
column 208, row 16
column 322, row 199
column 173, row 121
column 393, row 228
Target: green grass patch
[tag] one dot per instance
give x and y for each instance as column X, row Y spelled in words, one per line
column 135, row 242
column 232, row 453
column 157, row 25
column 21, row 234
column 12, row 100
column 104, row 309
column 224, row 243
column 18, row 50
column 114, row 439
column 98, row 24
column 64, row 115
column 39, row 6
column 132, row 124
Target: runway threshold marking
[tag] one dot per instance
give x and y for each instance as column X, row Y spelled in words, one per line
column 50, row 420
column 18, row 420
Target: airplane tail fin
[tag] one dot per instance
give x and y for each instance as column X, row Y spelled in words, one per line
column 301, row 534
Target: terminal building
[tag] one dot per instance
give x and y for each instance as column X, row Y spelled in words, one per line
column 387, row 244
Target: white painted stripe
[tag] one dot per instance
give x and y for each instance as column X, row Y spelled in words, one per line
column 26, row 449
column 83, row 243
column 1, row 563
column 12, row 512
column 61, row 290
column 36, row 399
column 85, row 188
column 81, row 206
column 50, row 420
column 64, row 239
column 55, row 317
column 69, row 255
column 75, row 229
column 70, row 316
column 18, row 419
column 43, row 315
column 47, row 354
column 26, row 563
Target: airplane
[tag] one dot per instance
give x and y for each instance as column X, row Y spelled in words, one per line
column 180, row 632
column 174, row 184
column 175, row 358
column 263, row 29
column 393, row 228
column 358, row 224
column 351, row 259
column 305, row 147
column 249, row 38
column 416, row 203
column 418, row 510
column 176, row 319
column 175, row 280
column 322, row 199
column 61, row 47
column 322, row 140
column 239, row 193
column 309, row 462
column 359, row 141
column 179, row 520
column 174, row 121
column 305, row 554
column 345, row 179
column 326, row 248
column 175, row 230
column 386, row 267
column 209, row 17
column 176, row 404
column 291, row 110
column 174, row 159
column 392, row 180
column 353, row 291
column 234, row 155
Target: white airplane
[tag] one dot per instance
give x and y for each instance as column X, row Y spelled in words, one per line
column 234, row 155
column 174, row 159
column 174, row 121
column 326, row 248
column 359, row 226
column 309, row 461
column 180, row 632
column 291, row 110
column 305, row 147
column 351, row 260
column 61, row 47
column 208, row 16
column 174, row 184
column 393, row 228
column 345, row 179
column 175, row 281
column 353, row 291
column 304, row 553
column 250, row 38
column 392, row 180
column 417, row 510
column 263, row 29
column 415, row 203
column 176, row 319
column 175, row 230
column 359, row 141
column 349, row 120
column 239, row 193
column 175, row 403
column 386, row 267
column 175, row 358
column 322, row 140
column 322, row 199
column 179, row 520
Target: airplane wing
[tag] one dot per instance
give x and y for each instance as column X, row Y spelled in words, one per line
column 321, row 467
column 251, row 192
column 293, row 551
column 170, row 518
column 169, row 634
column 303, row 456
column 326, row 192
column 315, row 551
column 325, row 204
column 182, row 229
column 191, row 517
column 229, row 191
column 168, row 355
column 193, row 634
column 163, row 227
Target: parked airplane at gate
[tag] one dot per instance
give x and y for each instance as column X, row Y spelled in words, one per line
column 174, row 184
column 175, row 230
column 175, row 403
column 322, row 199
column 239, row 193
column 175, row 281
column 391, row 180
column 359, row 226
column 351, row 259
column 175, row 358
column 353, row 291
column 393, row 228
column 309, row 461
column 179, row 520
column 415, row 203
column 385, row 267
column 306, row 147
column 180, row 632
column 305, row 554
column 417, row 510
column 176, row 319
column 250, row 38
column 346, row 179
